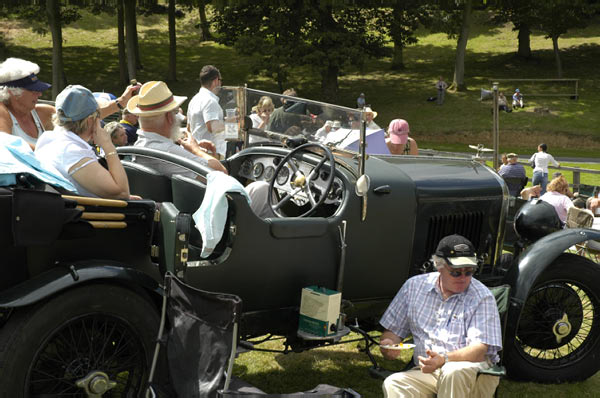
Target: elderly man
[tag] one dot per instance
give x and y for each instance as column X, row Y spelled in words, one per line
column 160, row 121
column 513, row 169
column 129, row 122
column 454, row 321
column 158, row 112
column 117, row 134
column 205, row 115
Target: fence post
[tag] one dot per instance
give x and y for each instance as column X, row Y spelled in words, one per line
column 576, row 180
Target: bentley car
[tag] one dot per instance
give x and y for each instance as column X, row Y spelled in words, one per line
column 80, row 292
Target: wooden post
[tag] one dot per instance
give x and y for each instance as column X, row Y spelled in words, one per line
column 576, row 180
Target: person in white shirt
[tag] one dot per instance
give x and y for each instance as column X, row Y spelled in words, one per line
column 66, row 149
column 205, row 115
column 261, row 113
column 557, row 197
column 540, row 161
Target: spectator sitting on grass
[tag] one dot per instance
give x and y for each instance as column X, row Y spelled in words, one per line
column 517, row 99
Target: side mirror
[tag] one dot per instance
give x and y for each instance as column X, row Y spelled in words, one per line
column 362, row 185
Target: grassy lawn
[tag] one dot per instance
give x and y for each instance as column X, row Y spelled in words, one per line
column 570, row 129
column 345, row 366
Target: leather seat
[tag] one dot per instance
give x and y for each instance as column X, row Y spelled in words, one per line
column 147, row 182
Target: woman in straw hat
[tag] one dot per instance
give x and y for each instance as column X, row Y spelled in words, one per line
column 66, row 149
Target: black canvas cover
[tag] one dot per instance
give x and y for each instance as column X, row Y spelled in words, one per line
column 200, row 337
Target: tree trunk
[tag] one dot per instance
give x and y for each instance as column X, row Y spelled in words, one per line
column 329, row 84
column 559, row 70
column 138, row 59
column 398, row 57
column 461, row 48
column 58, row 75
column 524, row 50
column 172, row 73
column 130, row 35
column 204, row 26
column 121, row 43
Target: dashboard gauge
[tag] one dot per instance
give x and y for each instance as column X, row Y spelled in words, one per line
column 283, row 176
column 269, row 173
column 246, row 168
column 258, row 170
column 276, row 161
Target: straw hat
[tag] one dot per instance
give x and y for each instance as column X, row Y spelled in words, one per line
column 154, row 98
column 369, row 110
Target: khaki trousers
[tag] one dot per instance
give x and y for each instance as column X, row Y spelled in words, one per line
column 453, row 380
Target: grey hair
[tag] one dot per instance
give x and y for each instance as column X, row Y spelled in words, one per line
column 112, row 128
column 78, row 127
column 438, row 262
column 6, row 91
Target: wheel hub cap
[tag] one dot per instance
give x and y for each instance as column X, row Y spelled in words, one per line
column 561, row 328
column 95, row 384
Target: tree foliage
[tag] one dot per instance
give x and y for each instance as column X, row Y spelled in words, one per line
column 285, row 34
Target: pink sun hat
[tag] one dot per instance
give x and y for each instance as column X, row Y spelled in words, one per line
column 398, row 130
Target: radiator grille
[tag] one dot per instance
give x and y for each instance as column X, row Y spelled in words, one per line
column 466, row 224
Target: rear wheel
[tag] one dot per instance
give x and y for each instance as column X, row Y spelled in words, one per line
column 558, row 335
column 101, row 332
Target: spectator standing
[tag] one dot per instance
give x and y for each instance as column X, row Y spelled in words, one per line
column 517, row 99
column 455, row 324
column 441, row 87
column 205, row 115
column 540, row 161
column 557, row 197
column 370, row 114
column 360, row 101
column 129, row 121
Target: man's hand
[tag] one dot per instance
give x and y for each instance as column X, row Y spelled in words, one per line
column 389, row 354
column 209, row 146
column 189, row 143
column 432, row 362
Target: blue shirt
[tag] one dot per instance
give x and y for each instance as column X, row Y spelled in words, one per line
column 442, row 325
column 512, row 170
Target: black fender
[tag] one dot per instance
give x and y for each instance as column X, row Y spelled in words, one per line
column 65, row 276
column 533, row 262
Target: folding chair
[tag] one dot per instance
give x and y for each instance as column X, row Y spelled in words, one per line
column 502, row 295
column 583, row 218
column 201, row 339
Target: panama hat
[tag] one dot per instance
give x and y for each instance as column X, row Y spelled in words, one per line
column 154, row 98
column 369, row 110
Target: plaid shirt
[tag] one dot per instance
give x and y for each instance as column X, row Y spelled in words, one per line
column 444, row 325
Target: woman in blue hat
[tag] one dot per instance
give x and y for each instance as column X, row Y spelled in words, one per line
column 20, row 89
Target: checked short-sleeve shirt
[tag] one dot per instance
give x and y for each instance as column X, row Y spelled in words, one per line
column 444, row 325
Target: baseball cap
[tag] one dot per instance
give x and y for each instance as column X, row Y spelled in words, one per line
column 398, row 130
column 458, row 251
column 75, row 103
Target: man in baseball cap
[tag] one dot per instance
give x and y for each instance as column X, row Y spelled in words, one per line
column 455, row 324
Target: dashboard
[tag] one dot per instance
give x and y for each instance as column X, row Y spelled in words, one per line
column 262, row 168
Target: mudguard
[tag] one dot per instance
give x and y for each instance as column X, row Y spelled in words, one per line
column 534, row 260
column 64, row 277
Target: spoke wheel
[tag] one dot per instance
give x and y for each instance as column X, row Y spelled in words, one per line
column 558, row 335
column 87, row 332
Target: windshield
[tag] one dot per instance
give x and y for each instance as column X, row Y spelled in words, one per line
column 274, row 117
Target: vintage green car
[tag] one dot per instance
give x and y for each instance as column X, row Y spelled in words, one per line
column 81, row 277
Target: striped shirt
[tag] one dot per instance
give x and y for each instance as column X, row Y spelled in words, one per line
column 444, row 325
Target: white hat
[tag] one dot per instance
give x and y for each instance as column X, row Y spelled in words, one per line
column 369, row 110
column 154, row 98
column 336, row 124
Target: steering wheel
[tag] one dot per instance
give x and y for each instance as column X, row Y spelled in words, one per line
column 299, row 183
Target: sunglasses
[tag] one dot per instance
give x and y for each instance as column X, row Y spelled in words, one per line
column 455, row 274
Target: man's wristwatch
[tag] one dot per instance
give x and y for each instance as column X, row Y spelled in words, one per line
column 445, row 356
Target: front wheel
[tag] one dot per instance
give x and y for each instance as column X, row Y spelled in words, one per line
column 558, row 334
column 89, row 332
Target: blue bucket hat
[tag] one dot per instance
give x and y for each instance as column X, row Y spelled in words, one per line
column 75, row 103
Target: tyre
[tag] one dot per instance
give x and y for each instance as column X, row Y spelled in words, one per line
column 46, row 349
column 558, row 334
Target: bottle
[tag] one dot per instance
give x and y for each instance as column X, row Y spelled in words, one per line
column 231, row 125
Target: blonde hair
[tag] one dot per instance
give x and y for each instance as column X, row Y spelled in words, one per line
column 78, row 127
column 263, row 102
column 558, row 184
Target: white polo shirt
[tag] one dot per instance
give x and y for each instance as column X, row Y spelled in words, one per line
column 203, row 108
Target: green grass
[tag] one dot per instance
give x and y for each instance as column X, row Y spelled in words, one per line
column 571, row 128
column 345, row 366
